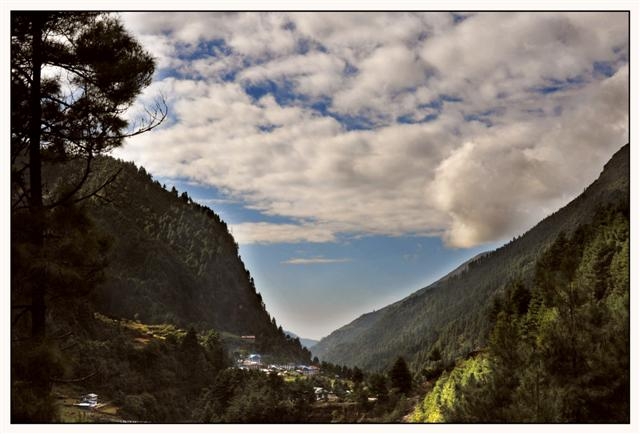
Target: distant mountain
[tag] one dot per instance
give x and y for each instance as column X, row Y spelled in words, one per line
column 451, row 314
column 304, row 341
column 172, row 260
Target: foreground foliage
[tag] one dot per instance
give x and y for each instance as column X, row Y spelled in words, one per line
column 559, row 348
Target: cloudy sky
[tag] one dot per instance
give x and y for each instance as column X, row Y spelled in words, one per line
column 360, row 156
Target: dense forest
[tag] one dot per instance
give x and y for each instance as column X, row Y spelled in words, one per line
column 151, row 373
column 452, row 315
column 194, row 279
column 195, row 276
column 559, row 345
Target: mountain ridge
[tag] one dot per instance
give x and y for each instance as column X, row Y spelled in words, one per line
column 449, row 313
column 172, row 260
column 306, row 342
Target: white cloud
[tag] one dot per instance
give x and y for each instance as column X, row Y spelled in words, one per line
column 386, row 73
column 313, row 74
column 491, row 55
column 215, row 201
column 519, row 120
column 316, row 260
column 265, row 233
column 507, row 179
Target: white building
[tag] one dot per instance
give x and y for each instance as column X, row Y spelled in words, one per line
column 88, row 401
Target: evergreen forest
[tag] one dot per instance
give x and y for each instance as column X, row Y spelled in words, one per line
column 558, row 350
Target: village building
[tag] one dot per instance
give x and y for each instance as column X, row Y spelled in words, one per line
column 256, row 358
column 321, row 394
column 308, row 370
column 88, row 401
column 253, row 361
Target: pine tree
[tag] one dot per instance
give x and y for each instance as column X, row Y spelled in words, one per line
column 378, row 386
column 75, row 114
column 357, row 376
column 400, row 376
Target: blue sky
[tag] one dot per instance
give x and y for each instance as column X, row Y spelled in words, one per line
column 332, row 282
column 355, row 165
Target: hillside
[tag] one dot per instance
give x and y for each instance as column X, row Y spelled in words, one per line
column 558, row 351
column 171, row 260
column 303, row 341
column 451, row 314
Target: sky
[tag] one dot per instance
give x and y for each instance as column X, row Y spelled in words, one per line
column 358, row 157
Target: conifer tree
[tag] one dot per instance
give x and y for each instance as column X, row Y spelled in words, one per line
column 73, row 77
column 400, row 376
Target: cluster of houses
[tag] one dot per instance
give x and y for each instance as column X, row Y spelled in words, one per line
column 89, row 400
column 254, row 361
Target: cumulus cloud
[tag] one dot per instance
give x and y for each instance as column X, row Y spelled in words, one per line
column 383, row 79
column 508, row 178
column 390, row 123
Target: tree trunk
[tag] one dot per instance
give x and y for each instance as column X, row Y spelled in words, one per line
column 35, row 178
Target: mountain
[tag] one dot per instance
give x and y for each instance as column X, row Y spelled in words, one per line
column 171, row 260
column 149, row 304
column 304, row 341
column 451, row 315
column 559, row 348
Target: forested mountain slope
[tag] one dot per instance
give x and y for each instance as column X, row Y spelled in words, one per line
column 452, row 313
column 559, row 347
column 171, row 260
column 303, row 341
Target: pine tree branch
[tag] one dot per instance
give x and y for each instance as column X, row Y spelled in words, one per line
column 58, row 101
column 110, row 180
column 21, row 199
column 76, row 188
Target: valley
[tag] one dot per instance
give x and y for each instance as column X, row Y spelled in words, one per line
column 443, row 196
